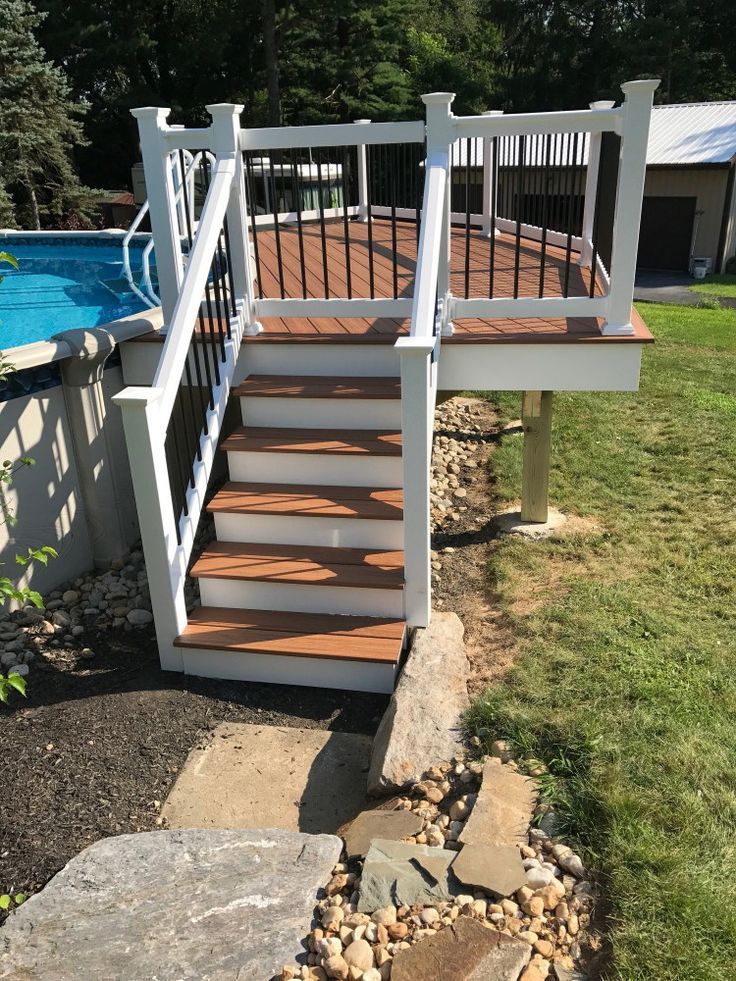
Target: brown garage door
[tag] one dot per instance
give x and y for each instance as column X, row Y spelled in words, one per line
column 666, row 232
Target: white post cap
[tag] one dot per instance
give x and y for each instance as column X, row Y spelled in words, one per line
column 224, row 109
column 640, row 86
column 151, row 112
column 438, row 98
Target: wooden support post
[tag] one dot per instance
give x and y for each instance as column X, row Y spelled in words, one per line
column 536, row 417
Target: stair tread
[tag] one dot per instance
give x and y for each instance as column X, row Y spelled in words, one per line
column 319, row 387
column 294, row 634
column 359, row 442
column 308, row 501
column 314, row 565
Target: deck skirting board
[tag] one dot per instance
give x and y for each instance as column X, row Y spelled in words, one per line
column 583, row 367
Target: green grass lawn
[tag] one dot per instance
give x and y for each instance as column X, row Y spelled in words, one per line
column 625, row 682
column 716, row 285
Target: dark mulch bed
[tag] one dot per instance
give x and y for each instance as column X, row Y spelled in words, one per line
column 97, row 745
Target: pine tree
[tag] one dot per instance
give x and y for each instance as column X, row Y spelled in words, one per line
column 39, row 124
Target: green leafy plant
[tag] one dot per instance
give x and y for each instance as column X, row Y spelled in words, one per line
column 7, row 901
column 12, row 682
column 10, row 259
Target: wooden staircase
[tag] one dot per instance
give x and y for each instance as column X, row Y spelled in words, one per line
column 305, row 582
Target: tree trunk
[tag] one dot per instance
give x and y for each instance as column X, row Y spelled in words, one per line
column 33, row 200
column 268, row 18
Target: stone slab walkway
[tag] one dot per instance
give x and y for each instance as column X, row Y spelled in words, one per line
column 248, row 776
column 174, row 906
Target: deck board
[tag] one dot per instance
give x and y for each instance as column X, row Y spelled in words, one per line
column 508, row 330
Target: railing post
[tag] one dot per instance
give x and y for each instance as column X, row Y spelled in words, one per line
column 591, row 189
column 144, row 436
column 362, row 176
column 226, row 143
column 490, row 177
column 417, row 425
column 158, row 170
column 637, row 110
column 440, row 135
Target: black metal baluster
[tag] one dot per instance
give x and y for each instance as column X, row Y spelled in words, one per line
column 467, row 216
column 208, row 298
column 196, row 351
column 594, row 234
column 370, row 184
column 229, row 272
column 322, row 228
column 418, row 188
column 394, row 245
column 346, row 226
column 545, row 215
column 520, row 149
column 572, row 148
column 276, row 226
column 250, row 193
column 296, row 203
column 494, row 205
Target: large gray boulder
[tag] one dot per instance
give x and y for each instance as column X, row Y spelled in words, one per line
column 421, row 725
column 194, row 904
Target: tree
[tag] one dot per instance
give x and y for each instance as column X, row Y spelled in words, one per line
column 39, row 125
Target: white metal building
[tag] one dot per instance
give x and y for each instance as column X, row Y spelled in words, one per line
column 689, row 208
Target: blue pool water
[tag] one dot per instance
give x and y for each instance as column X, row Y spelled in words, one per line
column 63, row 284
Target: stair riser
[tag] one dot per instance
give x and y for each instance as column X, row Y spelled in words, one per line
column 350, row 360
column 302, row 598
column 317, row 468
column 304, row 413
column 279, row 669
column 331, row 532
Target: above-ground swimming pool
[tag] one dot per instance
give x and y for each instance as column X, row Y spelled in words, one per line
column 64, row 282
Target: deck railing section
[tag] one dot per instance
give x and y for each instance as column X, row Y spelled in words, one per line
column 541, row 184
column 172, row 427
column 314, row 195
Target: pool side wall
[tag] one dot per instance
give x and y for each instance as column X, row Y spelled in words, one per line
column 78, row 496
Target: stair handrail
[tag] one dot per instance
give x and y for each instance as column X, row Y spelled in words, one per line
column 168, row 510
column 419, row 354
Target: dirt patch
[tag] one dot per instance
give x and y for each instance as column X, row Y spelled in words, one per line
column 97, row 745
column 464, row 547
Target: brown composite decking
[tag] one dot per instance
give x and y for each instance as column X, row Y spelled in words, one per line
column 401, row 240
column 507, row 330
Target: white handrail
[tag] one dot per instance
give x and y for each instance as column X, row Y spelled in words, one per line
column 183, row 319
column 418, row 359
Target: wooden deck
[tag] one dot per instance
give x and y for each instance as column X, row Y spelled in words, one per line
column 384, row 243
